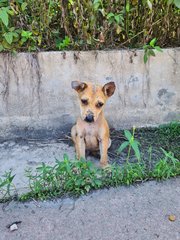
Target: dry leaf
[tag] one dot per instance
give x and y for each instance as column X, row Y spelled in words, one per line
column 101, row 37
column 118, row 29
column 172, row 218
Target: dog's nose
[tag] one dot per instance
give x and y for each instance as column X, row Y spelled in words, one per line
column 89, row 118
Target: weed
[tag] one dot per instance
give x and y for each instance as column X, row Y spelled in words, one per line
column 170, row 131
column 149, row 49
column 166, row 136
column 167, row 167
column 131, row 143
column 6, row 185
column 63, row 44
column 74, row 178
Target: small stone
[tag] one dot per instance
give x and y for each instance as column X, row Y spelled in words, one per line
column 172, row 218
column 11, row 144
column 13, row 227
column 25, row 148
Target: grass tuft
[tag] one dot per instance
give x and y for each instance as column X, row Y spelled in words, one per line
column 75, row 178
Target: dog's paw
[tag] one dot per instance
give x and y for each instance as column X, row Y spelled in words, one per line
column 104, row 165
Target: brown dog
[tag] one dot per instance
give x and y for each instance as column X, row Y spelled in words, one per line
column 91, row 131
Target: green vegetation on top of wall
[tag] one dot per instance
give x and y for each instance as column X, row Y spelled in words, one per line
column 34, row 25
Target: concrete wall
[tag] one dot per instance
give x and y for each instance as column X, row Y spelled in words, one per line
column 36, row 99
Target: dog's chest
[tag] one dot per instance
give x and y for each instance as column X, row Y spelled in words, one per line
column 90, row 130
column 91, row 136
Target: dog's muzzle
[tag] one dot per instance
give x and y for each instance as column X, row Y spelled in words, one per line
column 89, row 118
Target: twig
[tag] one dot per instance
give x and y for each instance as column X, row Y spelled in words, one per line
column 139, row 33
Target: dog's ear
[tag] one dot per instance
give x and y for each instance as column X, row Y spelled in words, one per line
column 78, row 86
column 108, row 89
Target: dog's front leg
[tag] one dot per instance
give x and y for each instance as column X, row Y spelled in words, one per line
column 80, row 147
column 104, row 144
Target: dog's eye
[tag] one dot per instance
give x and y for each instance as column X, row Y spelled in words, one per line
column 84, row 101
column 99, row 104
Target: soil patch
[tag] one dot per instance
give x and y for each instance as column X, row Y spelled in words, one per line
column 152, row 140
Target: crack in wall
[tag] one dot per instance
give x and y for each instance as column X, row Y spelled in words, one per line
column 35, row 77
column 5, row 79
column 146, row 85
column 174, row 58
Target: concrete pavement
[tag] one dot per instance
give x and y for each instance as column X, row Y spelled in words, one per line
column 124, row 213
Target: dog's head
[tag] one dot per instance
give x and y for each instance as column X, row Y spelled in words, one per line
column 92, row 98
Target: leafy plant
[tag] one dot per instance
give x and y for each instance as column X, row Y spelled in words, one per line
column 131, row 143
column 6, row 185
column 80, row 177
column 9, row 33
column 4, row 11
column 80, row 25
column 149, row 49
column 117, row 19
column 61, row 45
column 175, row 2
column 133, row 172
column 167, row 167
column 72, row 177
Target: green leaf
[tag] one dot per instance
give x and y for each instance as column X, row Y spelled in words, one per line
column 67, row 40
column 9, row 37
column 15, row 34
column 98, row 182
column 23, row 40
column 65, row 157
column 123, row 146
column 117, row 18
column 149, row 4
column 26, row 34
column 23, row 6
column 4, row 16
column 152, row 42
column 110, row 15
column 6, row 44
column 71, row 2
column 145, row 58
column 152, row 53
column 145, row 47
column 177, row 3
column 10, row 179
column 169, row 2
column 102, row 11
column 1, row 48
column 127, row 134
column 136, row 149
column 87, row 188
column 158, row 48
column 127, row 7
column 3, row 3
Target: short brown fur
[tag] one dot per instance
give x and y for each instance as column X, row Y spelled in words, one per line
column 92, row 135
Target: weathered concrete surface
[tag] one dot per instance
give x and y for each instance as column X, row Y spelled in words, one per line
column 36, row 99
column 21, row 155
column 135, row 213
